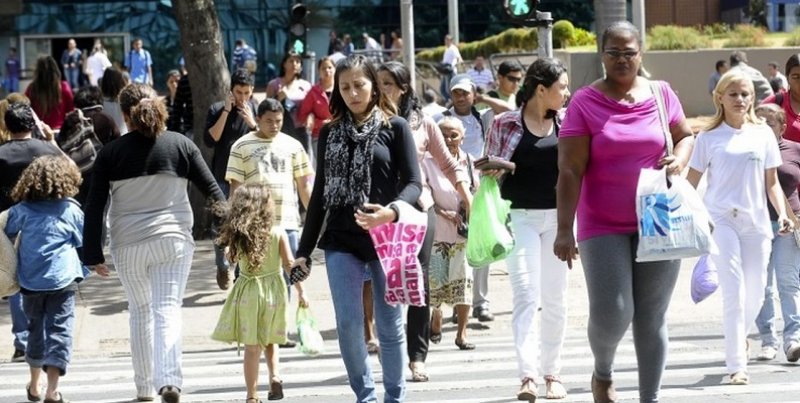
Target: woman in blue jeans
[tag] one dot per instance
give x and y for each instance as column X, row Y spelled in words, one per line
column 784, row 262
column 367, row 160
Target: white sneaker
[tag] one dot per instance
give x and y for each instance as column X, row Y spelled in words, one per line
column 768, row 353
column 793, row 352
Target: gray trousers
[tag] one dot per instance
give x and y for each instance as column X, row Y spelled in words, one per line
column 480, row 287
column 622, row 292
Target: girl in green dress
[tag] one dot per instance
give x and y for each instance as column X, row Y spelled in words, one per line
column 254, row 313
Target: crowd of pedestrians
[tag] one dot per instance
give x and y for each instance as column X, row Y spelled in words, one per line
column 320, row 165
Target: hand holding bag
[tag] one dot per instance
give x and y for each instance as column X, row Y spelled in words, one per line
column 9, row 283
column 493, row 162
column 490, row 239
column 673, row 222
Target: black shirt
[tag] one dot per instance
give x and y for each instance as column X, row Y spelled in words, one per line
column 15, row 156
column 533, row 183
column 235, row 127
column 395, row 176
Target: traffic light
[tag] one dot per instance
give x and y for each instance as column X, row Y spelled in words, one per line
column 520, row 9
column 297, row 29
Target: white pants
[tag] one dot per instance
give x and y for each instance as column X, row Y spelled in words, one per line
column 742, row 267
column 154, row 275
column 538, row 279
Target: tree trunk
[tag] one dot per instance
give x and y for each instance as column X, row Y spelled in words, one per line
column 605, row 13
column 209, row 78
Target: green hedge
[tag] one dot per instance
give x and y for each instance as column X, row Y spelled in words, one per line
column 673, row 37
column 746, row 36
column 793, row 39
column 563, row 33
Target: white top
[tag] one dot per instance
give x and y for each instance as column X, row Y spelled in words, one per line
column 96, row 65
column 734, row 161
column 452, row 55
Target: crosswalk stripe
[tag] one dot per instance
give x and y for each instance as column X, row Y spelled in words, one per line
column 215, row 375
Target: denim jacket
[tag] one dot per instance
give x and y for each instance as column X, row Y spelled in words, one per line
column 50, row 231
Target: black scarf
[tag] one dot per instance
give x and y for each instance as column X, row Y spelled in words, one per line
column 348, row 160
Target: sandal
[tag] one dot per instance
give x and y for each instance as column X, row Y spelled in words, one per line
column 255, row 399
column 554, row 388
column 31, row 397
column 463, row 345
column 275, row 390
column 418, row 373
column 170, row 394
column 60, row 399
column 528, row 391
column 740, row 378
column 436, row 338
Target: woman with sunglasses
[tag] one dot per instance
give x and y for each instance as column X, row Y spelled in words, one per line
column 614, row 123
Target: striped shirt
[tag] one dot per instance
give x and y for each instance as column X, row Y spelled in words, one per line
column 277, row 162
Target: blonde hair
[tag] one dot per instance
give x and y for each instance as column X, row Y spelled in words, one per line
column 247, row 227
column 48, row 177
column 724, row 82
column 774, row 110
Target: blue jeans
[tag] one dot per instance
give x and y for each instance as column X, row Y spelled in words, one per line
column 444, row 87
column 12, row 84
column 765, row 321
column 346, row 281
column 785, row 262
column 219, row 253
column 73, row 74
column 19, row 322
column 51, row 318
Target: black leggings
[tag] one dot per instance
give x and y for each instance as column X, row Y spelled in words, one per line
column 418, row 320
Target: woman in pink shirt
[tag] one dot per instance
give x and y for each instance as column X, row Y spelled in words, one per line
column 789, row 99
column 316, row 103
column 51, row 98
column 611, row 131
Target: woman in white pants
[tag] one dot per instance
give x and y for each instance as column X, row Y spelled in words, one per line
column 529, row 138
column 146, row 172
column 740, row 155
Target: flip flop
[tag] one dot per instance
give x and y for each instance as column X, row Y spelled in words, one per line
column 417, row 374
column 463, row 345
column 436, row 338
column 32, row 398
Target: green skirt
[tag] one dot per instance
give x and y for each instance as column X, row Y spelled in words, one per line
column 255, row 311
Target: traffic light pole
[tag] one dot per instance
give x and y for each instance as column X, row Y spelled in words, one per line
column 407, row 33
column 544, row 27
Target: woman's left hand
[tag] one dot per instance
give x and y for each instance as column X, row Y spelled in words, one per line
column 372, row 215
column 101, row 269
column 673, row 164
column 785, row 225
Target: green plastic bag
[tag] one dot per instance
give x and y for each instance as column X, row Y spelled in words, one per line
column 490, row 239
column 311, row 342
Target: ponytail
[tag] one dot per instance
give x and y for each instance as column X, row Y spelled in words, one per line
column 149, row 117
column 140, row 104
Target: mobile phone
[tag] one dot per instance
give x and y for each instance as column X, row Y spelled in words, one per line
column 297, row 274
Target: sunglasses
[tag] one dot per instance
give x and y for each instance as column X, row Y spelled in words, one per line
column 513, row 79
column 616, row 54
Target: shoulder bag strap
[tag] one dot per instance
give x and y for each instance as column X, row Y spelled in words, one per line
column 656, row 87
column 469, row 171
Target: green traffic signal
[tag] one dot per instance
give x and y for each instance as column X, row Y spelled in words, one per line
column 520, row 9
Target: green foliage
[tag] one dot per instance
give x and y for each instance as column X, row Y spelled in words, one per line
column 510, row 40
column 583, row 38
column 673, row 37
column 746, row 36
column 793, row 39
column 563, row 33
column 757, row 11
column 716, row 30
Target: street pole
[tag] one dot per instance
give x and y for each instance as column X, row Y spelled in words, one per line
column 544, row 30
column 407, row 32
column 639, row 20
column 452, row 20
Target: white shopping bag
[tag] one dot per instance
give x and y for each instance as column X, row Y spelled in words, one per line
column 673, row 222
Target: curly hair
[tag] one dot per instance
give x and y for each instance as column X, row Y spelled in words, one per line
column 48, row 177
column 247, row 226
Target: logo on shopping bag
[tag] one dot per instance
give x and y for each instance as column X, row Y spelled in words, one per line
column 656, row 218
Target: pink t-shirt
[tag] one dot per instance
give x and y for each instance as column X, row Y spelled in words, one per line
column 624, row 139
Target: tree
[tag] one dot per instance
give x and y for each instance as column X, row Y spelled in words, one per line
column 209, row 78
column 607, row 12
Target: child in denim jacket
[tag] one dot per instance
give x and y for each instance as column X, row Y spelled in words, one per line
column 50, row 226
